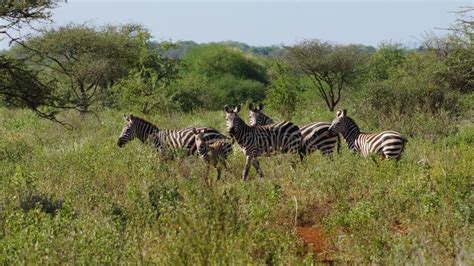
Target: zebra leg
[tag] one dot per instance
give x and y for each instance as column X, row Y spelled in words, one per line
column 218, row 168
column 225, row 164
column 248, row 161
column 375, row 161
column 207, row 173
column 256, row 164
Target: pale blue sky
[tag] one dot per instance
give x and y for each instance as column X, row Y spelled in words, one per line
column 269, row 22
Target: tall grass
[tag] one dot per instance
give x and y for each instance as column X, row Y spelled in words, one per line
column 73, row 196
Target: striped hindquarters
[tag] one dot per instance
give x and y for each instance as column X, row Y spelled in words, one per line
column 316, row 136
column 184, row 138
column 279, row 137
column 387, row 143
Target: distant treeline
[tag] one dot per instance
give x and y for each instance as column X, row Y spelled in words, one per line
column 85, row 67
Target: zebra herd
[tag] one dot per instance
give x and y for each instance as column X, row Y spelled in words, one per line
column 263, row 137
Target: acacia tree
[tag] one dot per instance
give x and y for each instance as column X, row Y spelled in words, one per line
column 19, row 85
column 81, row 60
column 330, row 67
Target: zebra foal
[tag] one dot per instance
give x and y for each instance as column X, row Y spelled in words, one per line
column 255, row 141
column 388, row 144
column 163, row 139
column 315, row 136
column 213, row 152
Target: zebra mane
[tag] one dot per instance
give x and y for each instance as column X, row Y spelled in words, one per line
column 143, row 121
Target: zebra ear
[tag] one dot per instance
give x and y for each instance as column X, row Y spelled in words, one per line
column 126, row 117
column 237, row 108
column 344, row 112
column 260, row 106
column 251, row 106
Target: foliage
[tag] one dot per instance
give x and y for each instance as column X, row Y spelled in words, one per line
column 216, row 60
column 20, row 86
column 18, row 15
column 384, row 63
column 220, row 75
column 417, row 211
column 81, row 60
column 286, row 91
column 456, row 51
column 147, row 86
column 330, row 67
column 414, row 88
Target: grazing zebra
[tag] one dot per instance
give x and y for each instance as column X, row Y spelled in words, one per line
column 389, row 144
column 163, row 139
column 262, row 140
column 214, row 153
column 316, row 136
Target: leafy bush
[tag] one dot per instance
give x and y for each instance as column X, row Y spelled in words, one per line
column 285, row 92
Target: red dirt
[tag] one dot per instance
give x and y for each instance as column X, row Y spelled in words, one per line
column 398, row 227
column 315, row 239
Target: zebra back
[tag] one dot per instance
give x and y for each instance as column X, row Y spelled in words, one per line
column 390, row 143
column 163, row 139
column 315, row 135
column 263, row 140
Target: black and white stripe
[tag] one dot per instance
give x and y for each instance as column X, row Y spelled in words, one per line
column 257, row 117
column 316, row 136
column 212, row 153
column 389, row 144
column 163, row 139
column 262, row 140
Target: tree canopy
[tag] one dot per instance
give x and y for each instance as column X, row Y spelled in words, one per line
column 330, row 67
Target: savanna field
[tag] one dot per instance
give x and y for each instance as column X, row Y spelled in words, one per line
column 74, row 196
column 70, row 195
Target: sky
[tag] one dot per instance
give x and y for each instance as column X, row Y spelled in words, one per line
column 267, row 22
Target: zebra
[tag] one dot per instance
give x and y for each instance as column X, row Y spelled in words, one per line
column 316, row 136
column 257, row 117
column 388, row 144
column 255, row 141
column 163, row 139
column 214, row 153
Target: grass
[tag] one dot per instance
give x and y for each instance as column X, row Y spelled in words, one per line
column 75, row 197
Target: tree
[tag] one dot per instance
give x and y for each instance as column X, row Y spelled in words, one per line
column 456, row 50
column 148, row 84
column 330, row 67
column 81, row 60
column 228, row 75
column 285, row 92
column 384, row 63
column 20, row 85
column 216, row 60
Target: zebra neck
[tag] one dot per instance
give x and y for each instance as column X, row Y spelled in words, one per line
column 239, row 135
column 266, row 120
column 351, row 134
column 144, row 131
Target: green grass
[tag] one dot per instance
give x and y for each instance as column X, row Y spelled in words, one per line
column 73, row 196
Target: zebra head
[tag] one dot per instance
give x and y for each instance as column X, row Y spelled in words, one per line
column 338, row 125
column 200, row 141
column 256, row 117
column 232, row 119
column 128, row 131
